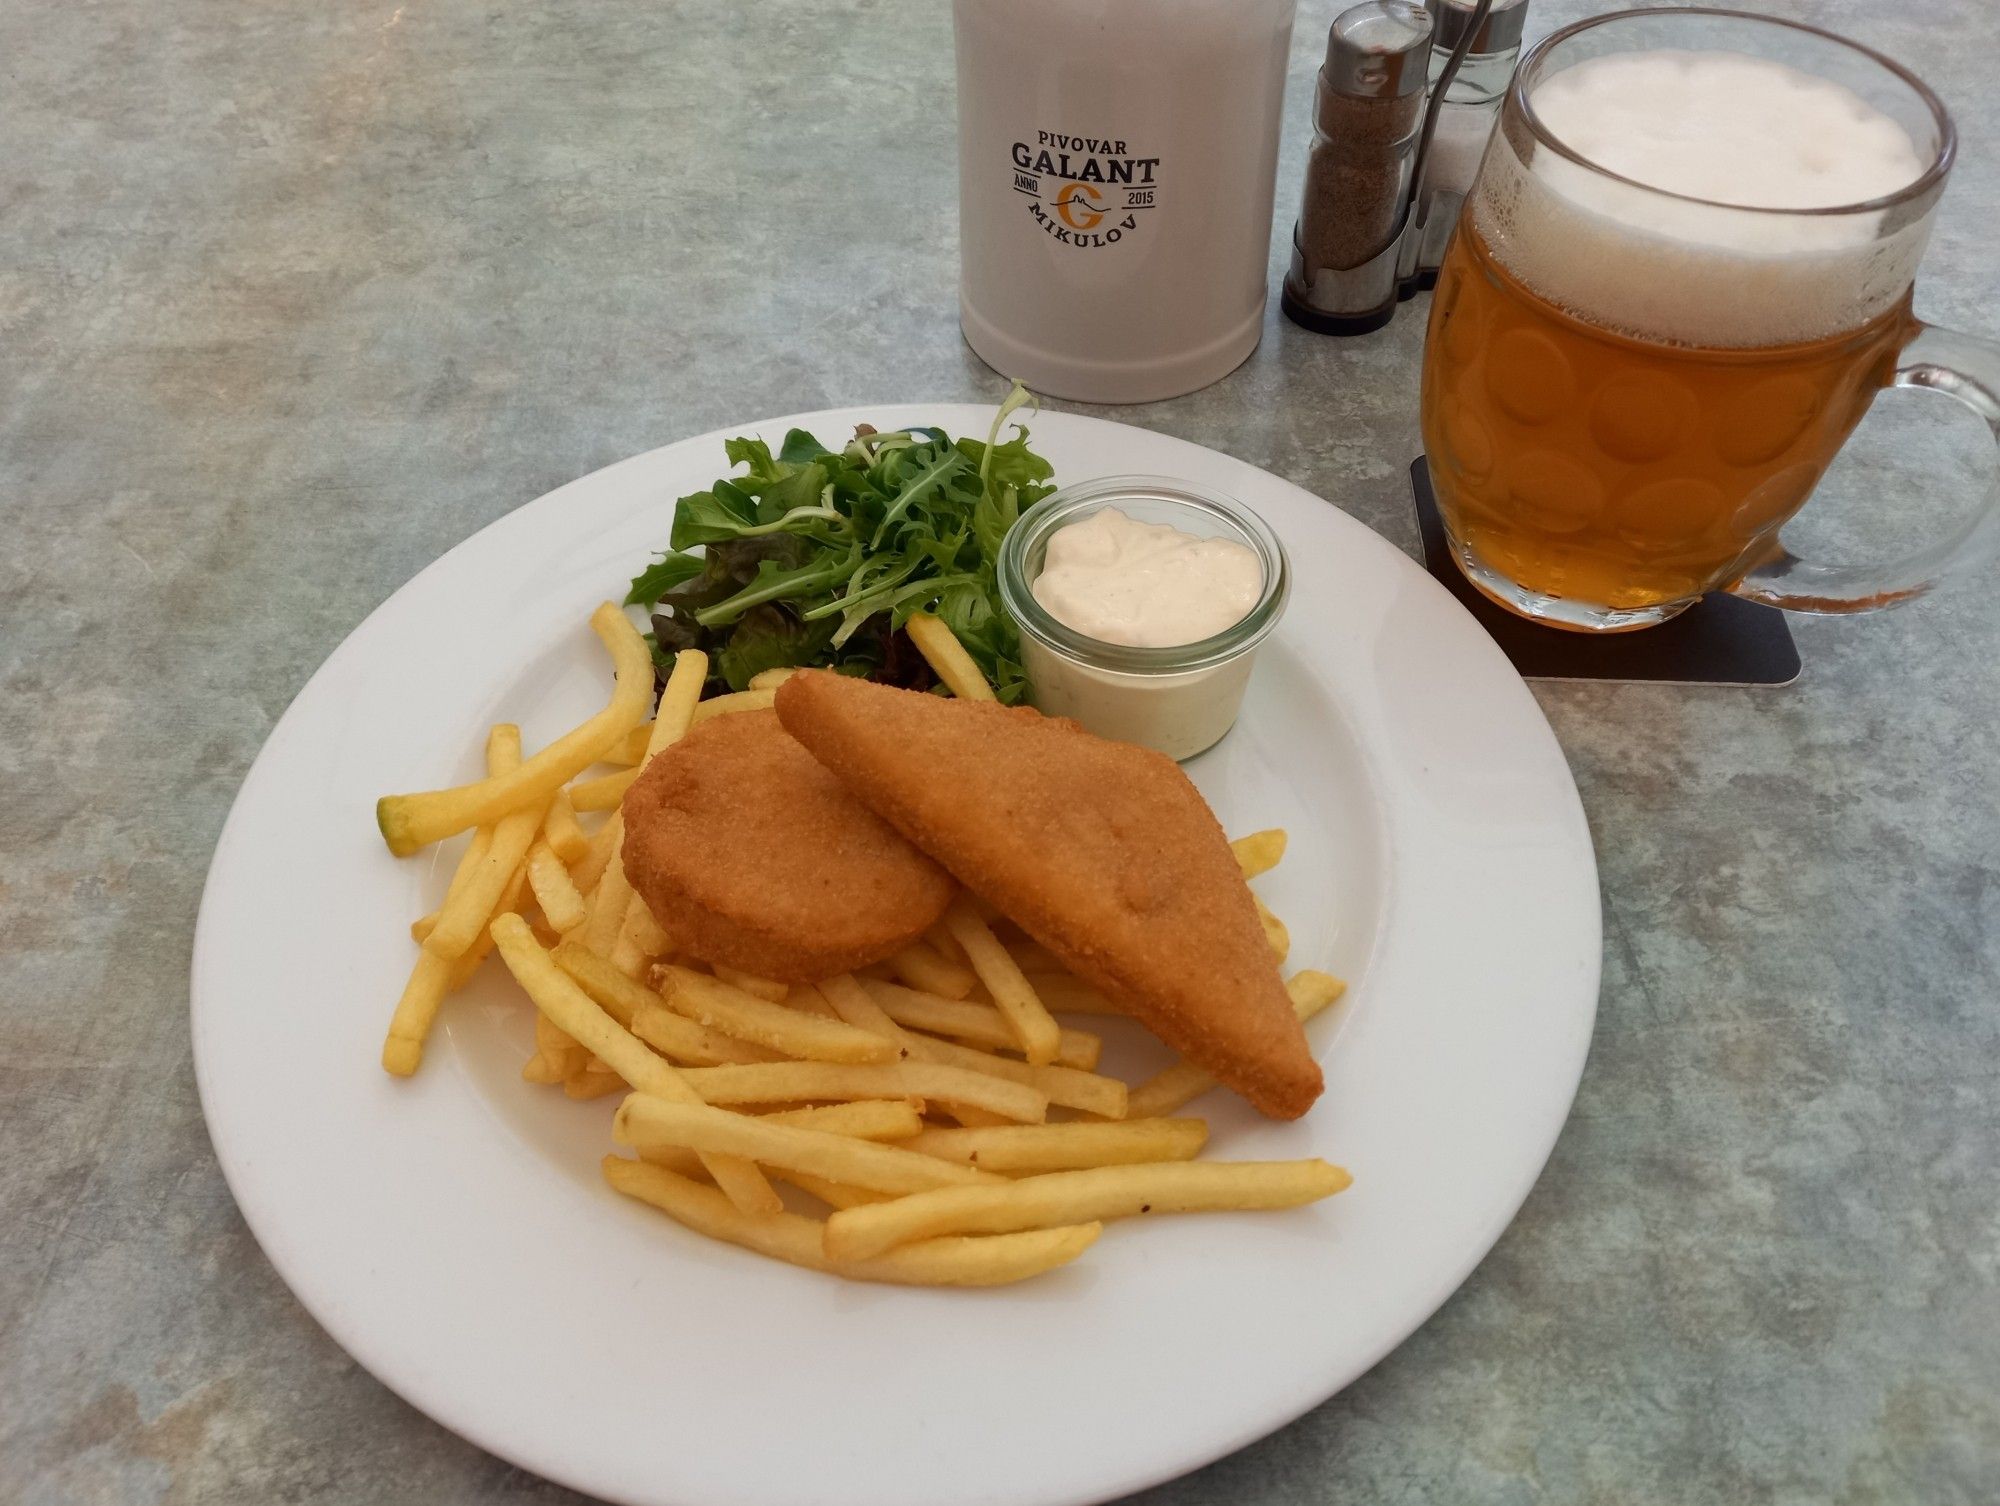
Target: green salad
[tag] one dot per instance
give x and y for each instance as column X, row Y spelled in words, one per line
column 818, row 556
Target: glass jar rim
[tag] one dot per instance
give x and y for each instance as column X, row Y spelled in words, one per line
column 1527, row 74
column 1063, row 506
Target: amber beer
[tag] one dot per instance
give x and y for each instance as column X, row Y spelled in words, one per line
column 1591, row 466
column 1680, row 278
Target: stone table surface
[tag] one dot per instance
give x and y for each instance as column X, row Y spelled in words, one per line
column 294, row 296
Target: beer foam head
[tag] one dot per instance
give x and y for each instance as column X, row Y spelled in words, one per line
column 1720, row 135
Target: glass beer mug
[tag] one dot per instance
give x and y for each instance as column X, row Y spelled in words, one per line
column 1681, row 277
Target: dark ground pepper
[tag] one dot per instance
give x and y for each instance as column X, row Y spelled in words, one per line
column 1355, row 175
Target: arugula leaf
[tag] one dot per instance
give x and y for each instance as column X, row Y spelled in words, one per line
column 755, row 454
column 768, row 637
column 720, row 513
column 774, row 582
column 819, row 556
column 799, row 447
column 660, row 577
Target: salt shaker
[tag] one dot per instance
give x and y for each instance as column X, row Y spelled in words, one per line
column 1465, row 118
column 1367, row 114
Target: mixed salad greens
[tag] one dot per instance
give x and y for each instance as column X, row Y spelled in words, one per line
column 819, row 557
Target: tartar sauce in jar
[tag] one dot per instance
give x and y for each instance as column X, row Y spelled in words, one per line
column 1140, row 629
column 1145, row 585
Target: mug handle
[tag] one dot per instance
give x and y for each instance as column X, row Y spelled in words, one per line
column 1968, row 368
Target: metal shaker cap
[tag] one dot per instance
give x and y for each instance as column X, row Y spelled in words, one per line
column 1499, row 32
column 1378, row 50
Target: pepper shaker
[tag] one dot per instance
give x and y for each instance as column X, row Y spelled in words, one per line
column 1367, row 114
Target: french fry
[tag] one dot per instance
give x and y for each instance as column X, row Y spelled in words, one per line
column 591, row 1084
column 728, row 705
column 939, row 645
column 469, row 863
column 678, row 699
column 864, row 1119
column 588, row 871
column 809, row 1000
column 652, row 937
column 1062, row 1198
column 555, row 892
column 617, row 995
column 831, row 1082
column 921, row 967
column 1028, row 1148
column 979, row 1024
column 1259, row 852
column 1065, row 993
column 1060, row 1085
column 640, row 940
column 633, row 749
column 690, row 1044
column 940, row 940
column 1033, row 1026
column 643, row 1012
column 801, row 1241
column 1183, row 1082
column 626, row 955
column 599, row 931
column 603, row 793
column 416, row 1011
column 750, row 983
column 467, row 962
column 605, row 932
column 1071, row 1089
column 410, row 822
column 559, row 997
column 463, row 916
column 559, row 829
column 855, row 1001
column 563, row 1057
column 833, row 1194
column 646, row 1123
column 720, row 1007
column 770, row 679
column 432, row 976
column 538, row 1068
column 971, row 1118
column 1274, row 931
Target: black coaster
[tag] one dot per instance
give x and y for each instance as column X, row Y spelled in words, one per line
column 1720, row 640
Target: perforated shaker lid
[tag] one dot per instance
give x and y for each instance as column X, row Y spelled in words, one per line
column 1499, row 32
column 1378, row 50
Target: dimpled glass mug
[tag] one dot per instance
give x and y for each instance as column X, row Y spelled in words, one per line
column 1628, row 392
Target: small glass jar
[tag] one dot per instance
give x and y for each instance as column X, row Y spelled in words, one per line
column 1178, row 700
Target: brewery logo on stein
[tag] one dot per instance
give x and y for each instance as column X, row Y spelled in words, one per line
column 1084, row 191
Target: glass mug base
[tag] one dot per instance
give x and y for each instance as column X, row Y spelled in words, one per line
column 1558, row 611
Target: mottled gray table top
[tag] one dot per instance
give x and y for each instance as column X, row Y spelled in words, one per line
column 293, row 296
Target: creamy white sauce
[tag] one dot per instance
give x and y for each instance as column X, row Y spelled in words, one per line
column 1145, row 585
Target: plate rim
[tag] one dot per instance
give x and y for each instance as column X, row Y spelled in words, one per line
column 1338, row 1370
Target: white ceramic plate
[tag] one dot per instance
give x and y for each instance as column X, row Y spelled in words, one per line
column 452, row 1231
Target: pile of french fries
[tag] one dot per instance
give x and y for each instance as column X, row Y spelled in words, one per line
column 955, row 1129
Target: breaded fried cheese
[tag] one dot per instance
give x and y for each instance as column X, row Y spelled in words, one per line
column 1103, row 852
column 751, row 854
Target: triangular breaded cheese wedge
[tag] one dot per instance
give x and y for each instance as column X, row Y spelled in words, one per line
column 1101, row 851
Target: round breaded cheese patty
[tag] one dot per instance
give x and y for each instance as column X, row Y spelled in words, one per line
column 750, row 854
